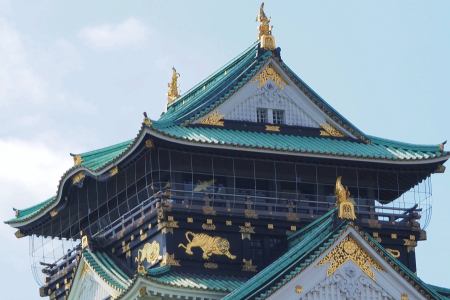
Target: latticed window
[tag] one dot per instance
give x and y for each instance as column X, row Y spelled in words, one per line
column 261, row 115
column 278, row 117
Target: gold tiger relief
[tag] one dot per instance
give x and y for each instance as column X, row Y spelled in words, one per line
column 209, row 245
column 149, row 252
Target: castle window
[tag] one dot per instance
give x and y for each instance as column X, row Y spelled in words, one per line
column 261, row 114
column 278, row 116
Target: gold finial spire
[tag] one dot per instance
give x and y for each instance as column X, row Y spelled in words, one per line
column 346, row 208
column 265, row 32
column 173, row 92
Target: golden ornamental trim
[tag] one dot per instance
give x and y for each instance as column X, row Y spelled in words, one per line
column 248, row 266
column 208, row 210
column 149, row 144
column 347, row 250
column 173, row 92
column 271, row 73
column 78, row 177
column 247, row 229
column 346, row 208
column 169, row 260
column 77, row 160
column 213, row 119
column 265, row 32
column 330, row 130
column 394, row 253
column 272, row 128
column 210, row 245
column 18, row 234
column 209, row 226
column 210, row 265
column 114, row 171
column 150, row 252
column 84, row 242
column 250, row 213
column 53, row 213
column 85, row 270
column 298, row 289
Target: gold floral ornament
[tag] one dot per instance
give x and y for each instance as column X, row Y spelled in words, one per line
column 346, row 208
column 271, row 73
column 173, row 92
column 265, row 32
column 150, row 252
column 330, row 130
column 209, row 245
column 213, row 119
column 347, row 250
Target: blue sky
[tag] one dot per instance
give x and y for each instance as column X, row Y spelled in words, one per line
column 77, row 76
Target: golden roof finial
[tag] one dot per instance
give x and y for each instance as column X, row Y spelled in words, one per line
column 265, row 32
column 264, row 27
column 346, row 208
column 173, row 92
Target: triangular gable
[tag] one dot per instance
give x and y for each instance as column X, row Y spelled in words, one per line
column 87, row 284
column 349, row 269
column 326, row 261
column 271, row 90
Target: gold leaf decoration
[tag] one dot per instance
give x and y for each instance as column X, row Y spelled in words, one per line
column 347, row 250
column 271, row 73
column 330, row 130
column 213, row 119
column 272, row 128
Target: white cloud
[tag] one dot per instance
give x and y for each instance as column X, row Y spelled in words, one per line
column 131, row 33
column 18, row 81
column 31, row 172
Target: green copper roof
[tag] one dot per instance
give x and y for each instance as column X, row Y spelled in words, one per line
column 209, row 91
column 442, row 291
column 216, row 89
column 27, row 213
column 94, row 160
column 317, row 237
column 378, row 149
column 211, row 282
column 295, row 260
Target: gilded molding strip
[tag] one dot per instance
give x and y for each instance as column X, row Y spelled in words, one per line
column 330, row 130
column 271, row 73
column 272, row 128
column 209, row 245
column 213, row 119
column 394, row 253
column 347, row 250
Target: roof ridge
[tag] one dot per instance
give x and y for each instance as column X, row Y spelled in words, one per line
column 214, row 74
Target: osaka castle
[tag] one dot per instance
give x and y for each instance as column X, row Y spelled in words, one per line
column 249, row 186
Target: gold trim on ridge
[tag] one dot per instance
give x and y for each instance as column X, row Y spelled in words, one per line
column 271, row 73
column 213, row 119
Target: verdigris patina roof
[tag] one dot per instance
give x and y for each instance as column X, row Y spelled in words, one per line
column 175, row 125
column 305, row 248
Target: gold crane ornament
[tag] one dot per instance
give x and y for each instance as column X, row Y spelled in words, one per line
column 265, row 32
column 173, row 92
column 346, row 207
